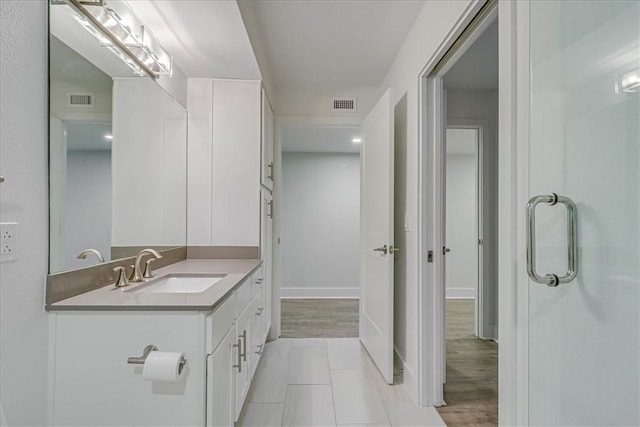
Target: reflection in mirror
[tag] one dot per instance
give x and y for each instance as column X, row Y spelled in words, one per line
column 117, row 154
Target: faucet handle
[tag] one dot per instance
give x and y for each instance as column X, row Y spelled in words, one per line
column 133, row 272
column 147, row 269
column 121, row 280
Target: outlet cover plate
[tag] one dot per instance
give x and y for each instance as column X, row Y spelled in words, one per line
column 8, row 241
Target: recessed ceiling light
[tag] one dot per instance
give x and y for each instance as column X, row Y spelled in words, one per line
column 356, row 140
column 108, row 137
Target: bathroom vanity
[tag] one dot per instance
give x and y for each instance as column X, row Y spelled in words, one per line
column 221, row 330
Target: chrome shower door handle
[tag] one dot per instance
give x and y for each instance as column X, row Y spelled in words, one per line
column 572, row 240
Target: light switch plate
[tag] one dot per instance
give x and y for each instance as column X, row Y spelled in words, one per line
column 8, row 241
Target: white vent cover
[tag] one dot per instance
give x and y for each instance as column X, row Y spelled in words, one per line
column 344, row 105
column 85, row 100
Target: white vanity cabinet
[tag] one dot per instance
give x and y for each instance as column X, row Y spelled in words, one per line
column 268, row 125
column 224, row 152
column 92, row 383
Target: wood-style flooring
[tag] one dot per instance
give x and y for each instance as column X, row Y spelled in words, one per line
column 471, row 391
column 319, row 318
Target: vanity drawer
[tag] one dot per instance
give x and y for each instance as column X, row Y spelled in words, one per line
column 243, row 295
column 219, row 323
column 257, row 280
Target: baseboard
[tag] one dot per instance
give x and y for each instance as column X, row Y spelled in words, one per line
column 319, row 293
column 461, row 293
column 409, row 380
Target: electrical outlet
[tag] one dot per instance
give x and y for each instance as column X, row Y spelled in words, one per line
column 8, row 241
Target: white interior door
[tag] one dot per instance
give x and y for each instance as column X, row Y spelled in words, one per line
column 584, row 333
column 377, row 244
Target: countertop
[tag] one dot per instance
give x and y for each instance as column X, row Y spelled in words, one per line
column 117, row 299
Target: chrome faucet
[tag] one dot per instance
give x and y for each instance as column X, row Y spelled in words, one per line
column 86, row 252
column 137, row 275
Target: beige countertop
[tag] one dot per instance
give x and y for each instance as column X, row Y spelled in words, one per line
column 114, row 299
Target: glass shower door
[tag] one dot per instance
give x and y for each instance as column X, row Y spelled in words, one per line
column 584, row 332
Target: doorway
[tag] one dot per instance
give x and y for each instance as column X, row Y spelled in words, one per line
column 320, row 232
column 460, row 91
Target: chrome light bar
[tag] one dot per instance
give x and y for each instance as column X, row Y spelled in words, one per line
column 118, row 29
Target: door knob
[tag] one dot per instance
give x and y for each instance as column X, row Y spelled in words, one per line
column 394, row 249
column 382, row 249
column 445, row 250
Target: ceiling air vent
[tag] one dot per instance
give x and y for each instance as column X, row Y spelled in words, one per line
column 85, row 100
column 343, row 105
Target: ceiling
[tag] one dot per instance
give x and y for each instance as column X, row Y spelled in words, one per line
column 333, row 44
column 323, row 44
column 88, row 136
column 478, row 67
column 320, row 139
column 205, row 38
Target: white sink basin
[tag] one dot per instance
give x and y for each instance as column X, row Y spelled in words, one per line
column 177, row 283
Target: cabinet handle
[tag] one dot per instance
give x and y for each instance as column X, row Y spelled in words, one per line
column 270, row 213
column 244, row 340
column 239, row 365
column 259, row 352
column 270, row 174
column 259, row 312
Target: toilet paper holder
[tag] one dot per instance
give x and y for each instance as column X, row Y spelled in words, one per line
column 148, row 349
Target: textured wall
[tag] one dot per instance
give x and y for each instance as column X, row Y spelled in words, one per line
column 23, row 199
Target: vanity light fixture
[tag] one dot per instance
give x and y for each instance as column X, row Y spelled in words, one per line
column 118, row 29
column 356, row 140
column 630, row 82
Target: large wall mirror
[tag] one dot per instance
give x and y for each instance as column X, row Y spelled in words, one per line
column 117, row 153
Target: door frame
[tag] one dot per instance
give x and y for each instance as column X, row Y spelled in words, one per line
column 431, row 169
column 281, row 122
column 480, row 126
column 513, row 184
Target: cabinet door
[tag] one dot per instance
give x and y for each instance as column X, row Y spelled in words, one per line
column 266, row 246
column 267, row 143
column 220, row 382
column 257, row 329
column 235, row 175
column 243, row 375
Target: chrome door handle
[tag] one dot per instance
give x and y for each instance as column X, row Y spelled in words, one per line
column 243, row 353
column 394, row 249
column 384, row 249
column 572, row 240
column 239, row 365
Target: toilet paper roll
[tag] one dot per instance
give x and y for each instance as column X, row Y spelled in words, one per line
column 162, row 366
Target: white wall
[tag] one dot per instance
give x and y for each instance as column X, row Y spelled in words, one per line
column 431, row 27
column 461, row 215
column 23, row 199
column 87, row 219
column 320, row 225
column 311, row 102
column 481, row 106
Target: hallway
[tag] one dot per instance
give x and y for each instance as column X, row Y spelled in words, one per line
column 471, row 391
column 326, row 382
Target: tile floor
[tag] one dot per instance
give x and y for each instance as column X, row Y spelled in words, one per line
column 327, row 382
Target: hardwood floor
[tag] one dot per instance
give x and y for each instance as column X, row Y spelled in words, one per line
column 471, row 391
column 319, row 318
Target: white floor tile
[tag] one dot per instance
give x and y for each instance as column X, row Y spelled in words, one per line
column 363, row 425
column 406, row 414
column 278, row 349
column 309, row 405
column 388, row 392
column 347, row 353
column 355, row 398
column 262, row 415
column 309, row 365
column 309, row 342
column 269, row 385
